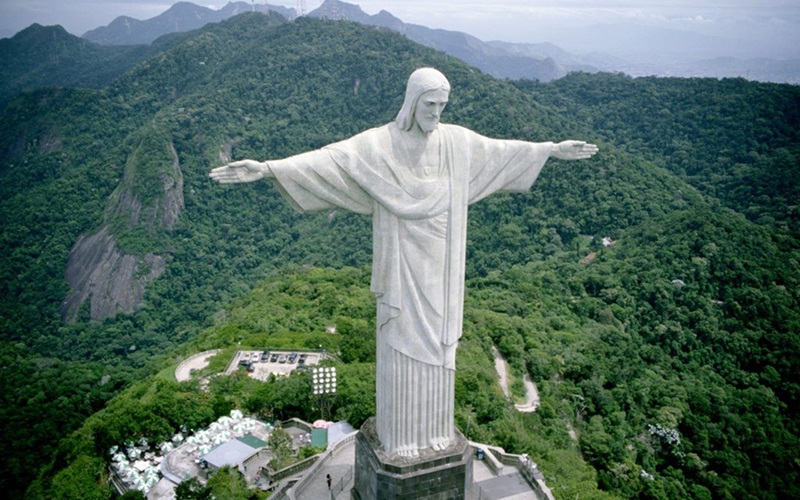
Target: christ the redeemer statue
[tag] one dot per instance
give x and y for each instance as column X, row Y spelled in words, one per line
column 415, row 177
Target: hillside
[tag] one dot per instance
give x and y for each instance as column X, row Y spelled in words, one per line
column 753, row 170
column 48, row 56
column 687, row 326
column 40, row 56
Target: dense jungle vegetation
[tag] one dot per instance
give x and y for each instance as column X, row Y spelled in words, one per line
column 666, row 363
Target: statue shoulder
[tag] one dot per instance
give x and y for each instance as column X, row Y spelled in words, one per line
column 457, row 131
column 365, row 138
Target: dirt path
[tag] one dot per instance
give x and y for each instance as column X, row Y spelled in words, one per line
column 532, row 394
column 532, row 400
column 501, row 366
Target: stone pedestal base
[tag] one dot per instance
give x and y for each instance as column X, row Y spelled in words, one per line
column 442, row 475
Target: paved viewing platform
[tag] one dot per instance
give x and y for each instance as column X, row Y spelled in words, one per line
column 497, row 476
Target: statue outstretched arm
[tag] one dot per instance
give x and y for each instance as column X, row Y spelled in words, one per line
column 573, row 150
column 241, row 171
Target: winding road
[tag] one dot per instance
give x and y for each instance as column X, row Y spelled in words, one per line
column 532, row 394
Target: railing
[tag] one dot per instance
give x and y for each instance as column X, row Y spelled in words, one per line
column 535, row 478
column 495, row 465
column 323, row 459
column 292, row 469
column 491, row 454
column 522, row 463
column 340, row 485
column 280, row 493
column 117, row 482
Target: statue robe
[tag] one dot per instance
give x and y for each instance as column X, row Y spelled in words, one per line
column 419, row 247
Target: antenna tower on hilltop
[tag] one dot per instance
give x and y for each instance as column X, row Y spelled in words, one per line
column 301, row 8
column 331, row 11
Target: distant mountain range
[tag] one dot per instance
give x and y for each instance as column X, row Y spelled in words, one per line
column 493, row 60
column 181, row 17
column 630, row 49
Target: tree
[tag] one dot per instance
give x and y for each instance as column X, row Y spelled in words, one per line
column 85, row 478
column 133, row 495
column 280, row 443
column 355, row 393
column 191, row 489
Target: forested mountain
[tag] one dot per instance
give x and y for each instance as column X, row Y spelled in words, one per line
column 48, row 56
column 41, row 56
column 666, row 363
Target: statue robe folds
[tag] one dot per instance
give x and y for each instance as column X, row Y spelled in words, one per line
column 419, row 247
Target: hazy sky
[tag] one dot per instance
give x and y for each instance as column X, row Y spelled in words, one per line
column 509, row 20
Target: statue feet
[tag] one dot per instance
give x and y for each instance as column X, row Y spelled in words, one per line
column 408, row 451
column 411, row 450
column 440, row 444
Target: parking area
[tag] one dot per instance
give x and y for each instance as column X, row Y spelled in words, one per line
column 261, row 364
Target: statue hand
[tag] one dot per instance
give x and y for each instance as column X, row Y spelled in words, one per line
column 240, row 171
column 573, row 150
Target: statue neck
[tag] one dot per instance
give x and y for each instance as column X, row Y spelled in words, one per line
column 421, row 149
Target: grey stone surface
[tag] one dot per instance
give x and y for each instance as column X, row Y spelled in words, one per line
column 113, row 281
column 433, row 475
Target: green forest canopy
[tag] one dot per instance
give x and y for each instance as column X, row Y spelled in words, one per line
column 686, row 328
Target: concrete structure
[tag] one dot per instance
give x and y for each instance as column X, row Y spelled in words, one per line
column 261, row 370
column 432, row 475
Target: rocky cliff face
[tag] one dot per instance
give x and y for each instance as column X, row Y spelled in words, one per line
column 111, row 280
column 147, row 202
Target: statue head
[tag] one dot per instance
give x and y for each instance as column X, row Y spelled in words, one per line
column 421, row 81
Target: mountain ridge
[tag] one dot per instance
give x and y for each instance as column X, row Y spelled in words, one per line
column 49, row 56
column 179, row 18
column 596, row 48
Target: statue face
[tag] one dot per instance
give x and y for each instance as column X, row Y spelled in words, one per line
column 429, row 109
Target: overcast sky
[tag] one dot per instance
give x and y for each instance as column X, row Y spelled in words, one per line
column 508, row 20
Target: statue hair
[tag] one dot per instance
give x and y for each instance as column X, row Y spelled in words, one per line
column 422, row 80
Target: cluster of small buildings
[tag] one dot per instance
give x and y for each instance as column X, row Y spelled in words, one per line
column 233, row 440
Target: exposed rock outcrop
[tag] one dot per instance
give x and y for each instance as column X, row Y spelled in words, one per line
column 147, row 203
column 112, row 280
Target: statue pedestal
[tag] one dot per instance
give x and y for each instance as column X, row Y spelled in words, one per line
column 433, row 475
